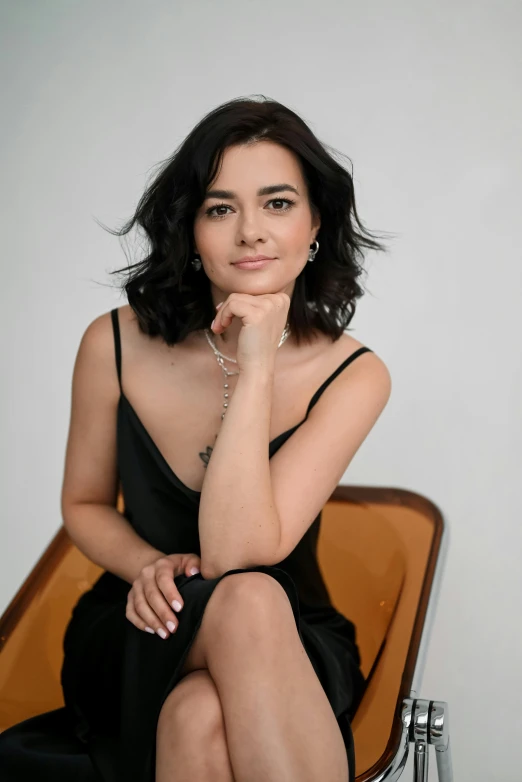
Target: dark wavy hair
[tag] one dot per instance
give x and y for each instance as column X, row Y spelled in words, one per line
column 170, row 298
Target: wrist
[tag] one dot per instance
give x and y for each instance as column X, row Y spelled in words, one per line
column 258, row 372
column 150, row 555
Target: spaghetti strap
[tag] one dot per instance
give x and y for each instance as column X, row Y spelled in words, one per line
column 117, row 342
column 334, row 374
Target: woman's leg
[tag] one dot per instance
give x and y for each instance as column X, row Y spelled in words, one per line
column 279, row 722
column 190, row 737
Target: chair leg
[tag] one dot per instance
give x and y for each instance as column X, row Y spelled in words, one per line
column 428, row 724
column 439, row 737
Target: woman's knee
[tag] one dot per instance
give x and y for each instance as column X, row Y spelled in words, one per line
column 247, row 600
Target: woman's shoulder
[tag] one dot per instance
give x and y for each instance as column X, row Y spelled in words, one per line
column 125, row 314
column 364, row 362
column 97, row 338
column 335, row 352
column 97, row 343
column 128, row 326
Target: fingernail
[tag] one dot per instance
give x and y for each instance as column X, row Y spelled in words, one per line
column 193, row 571
column 176, row 605
column 149, row 630
column 212, row 324
column 162, row 632
column 171, row 626
column 219, row 305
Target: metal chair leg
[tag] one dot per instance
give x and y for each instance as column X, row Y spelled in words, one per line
column 424, row 723
column 439, row 737
column 420, row 727
column 429, row 726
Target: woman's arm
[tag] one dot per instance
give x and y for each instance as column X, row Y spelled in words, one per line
column 254, row 510
column 238, row 522
column 90, row 483
column 107, row 538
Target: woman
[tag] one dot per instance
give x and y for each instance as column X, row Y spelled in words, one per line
column 228, row 401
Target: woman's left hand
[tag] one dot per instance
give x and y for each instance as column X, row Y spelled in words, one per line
column 264, row 318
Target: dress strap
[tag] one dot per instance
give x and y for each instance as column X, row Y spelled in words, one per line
column 334, row 374
column 117, row 342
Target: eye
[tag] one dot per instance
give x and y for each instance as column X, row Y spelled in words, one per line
column 288, row 201
column 282, row 201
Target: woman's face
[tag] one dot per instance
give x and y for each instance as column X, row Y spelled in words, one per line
column 243, row 222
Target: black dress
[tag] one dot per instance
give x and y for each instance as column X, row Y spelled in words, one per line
column 116, row 677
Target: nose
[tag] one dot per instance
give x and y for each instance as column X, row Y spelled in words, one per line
column 250, row 227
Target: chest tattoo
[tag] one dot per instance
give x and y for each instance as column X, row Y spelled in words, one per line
column 205, row 456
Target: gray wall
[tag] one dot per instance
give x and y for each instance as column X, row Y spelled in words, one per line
column 425, row 99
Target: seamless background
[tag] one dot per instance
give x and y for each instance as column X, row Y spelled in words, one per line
column 424, row 98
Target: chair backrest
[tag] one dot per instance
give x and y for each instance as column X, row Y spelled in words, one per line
column 364, row 567
column 377, row 551
column 418, row 526
column 32, row 630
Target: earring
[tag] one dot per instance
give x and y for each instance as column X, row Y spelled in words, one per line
column 313, row 253
column 196, row 263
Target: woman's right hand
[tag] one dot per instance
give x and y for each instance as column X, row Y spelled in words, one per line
column 154, row 597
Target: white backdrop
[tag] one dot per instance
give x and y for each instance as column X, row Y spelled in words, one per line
column 425, row 99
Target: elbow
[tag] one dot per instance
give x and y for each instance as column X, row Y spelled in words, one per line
column 216, row 569
column 209, row 572
column 207, row 569
column 68, row 516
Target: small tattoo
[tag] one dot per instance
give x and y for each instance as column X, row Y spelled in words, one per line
column 205, row 457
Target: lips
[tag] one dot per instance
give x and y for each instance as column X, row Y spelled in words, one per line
column 252, row 264
column 252, row 258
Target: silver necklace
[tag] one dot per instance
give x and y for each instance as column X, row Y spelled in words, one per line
column 221, row 358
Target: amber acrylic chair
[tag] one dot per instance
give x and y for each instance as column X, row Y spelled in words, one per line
column 381, row 554
column 365, row 521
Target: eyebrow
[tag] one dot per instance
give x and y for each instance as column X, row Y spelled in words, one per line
column 267, row 190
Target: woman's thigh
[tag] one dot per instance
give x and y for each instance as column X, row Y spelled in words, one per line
column 191, row 725
column 193, row 706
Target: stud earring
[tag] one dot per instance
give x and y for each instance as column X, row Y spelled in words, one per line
column 196, row 263
column 313, row 253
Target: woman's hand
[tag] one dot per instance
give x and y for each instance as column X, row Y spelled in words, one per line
column 264, row 318
column 154, row 595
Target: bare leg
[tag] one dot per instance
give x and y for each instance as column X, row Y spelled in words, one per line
column 279, row 722
column 190, row 738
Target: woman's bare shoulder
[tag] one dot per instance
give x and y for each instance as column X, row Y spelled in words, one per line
column 339, row 350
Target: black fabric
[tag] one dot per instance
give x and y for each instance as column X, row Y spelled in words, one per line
column 45, row 749
column 115, row 677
